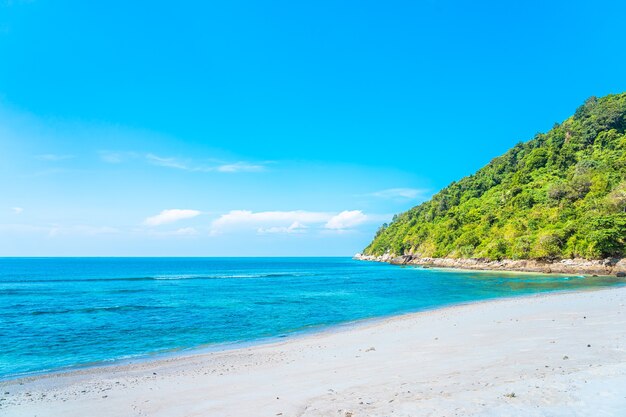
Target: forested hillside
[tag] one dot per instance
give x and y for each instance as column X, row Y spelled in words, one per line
column 560, row 195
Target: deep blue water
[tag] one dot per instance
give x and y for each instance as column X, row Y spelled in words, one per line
column 60, row 312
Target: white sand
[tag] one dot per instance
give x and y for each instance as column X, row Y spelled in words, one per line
column 460, row 361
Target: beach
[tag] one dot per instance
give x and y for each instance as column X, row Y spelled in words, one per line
column 560, row 354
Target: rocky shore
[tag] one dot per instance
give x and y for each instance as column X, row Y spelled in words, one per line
column 611, row 266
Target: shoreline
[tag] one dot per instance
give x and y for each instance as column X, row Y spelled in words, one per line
column 105, row 360
column 380, row 350
column 606, row 267
column 200, row 350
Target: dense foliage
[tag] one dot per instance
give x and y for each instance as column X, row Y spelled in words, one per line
column 560, row 195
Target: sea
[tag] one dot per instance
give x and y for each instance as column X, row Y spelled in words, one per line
column 65, row 313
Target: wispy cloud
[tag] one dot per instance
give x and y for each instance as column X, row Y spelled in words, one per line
column 295, row 221
column 240, row 167
column 84, row 230
column 53, row 157
column 54, row 171
column 55, row 230
column 17, row 210
column 168, row 162
column 188, row 165
column 185, row 231
column 183, row 164
column 21, row 229
column 295, row 227
column 400, row 193
column 182, row 232
column 170, row 216
column 113, row 157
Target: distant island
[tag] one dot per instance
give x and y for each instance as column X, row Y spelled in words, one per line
column 556, row 203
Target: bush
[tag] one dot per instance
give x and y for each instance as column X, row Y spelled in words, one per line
column 561, row 194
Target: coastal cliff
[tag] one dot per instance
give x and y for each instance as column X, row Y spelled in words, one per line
column 556, row 203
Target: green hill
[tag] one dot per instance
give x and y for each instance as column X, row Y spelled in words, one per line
column 560, row 195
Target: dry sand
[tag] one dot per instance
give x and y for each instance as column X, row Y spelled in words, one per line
column 553, row 355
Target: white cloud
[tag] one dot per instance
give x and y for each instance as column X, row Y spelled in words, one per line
column 53, row 157
column 237, row 219
column 346, row 220
column 296, row 221
column 170, row 216
column 404, row 193
column 17, row 210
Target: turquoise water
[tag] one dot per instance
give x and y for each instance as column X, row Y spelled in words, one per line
column 62, row 312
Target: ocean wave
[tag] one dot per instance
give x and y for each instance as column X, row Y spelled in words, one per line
column 170, row 277
column 232, row 276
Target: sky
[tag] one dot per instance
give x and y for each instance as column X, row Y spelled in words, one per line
column 271, row 128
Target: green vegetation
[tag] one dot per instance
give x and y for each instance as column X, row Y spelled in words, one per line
column 560, row 195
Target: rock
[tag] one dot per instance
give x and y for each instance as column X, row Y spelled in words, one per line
column 620, row 274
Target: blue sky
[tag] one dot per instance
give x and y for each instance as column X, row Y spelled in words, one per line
column 246, row 128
